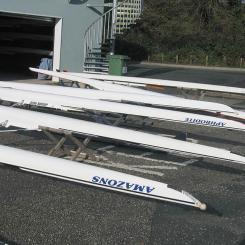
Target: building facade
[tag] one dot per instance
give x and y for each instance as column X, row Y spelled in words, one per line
column 32, row 29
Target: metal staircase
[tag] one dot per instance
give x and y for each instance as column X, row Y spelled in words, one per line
column 100, row 36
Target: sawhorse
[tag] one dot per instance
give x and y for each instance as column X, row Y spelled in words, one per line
column 59, row 142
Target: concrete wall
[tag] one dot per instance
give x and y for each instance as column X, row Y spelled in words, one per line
column 76, row 18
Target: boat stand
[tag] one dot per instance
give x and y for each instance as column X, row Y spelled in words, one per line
column 199, row 94
column 59, row 137
column 192, row 94
column 70, row 84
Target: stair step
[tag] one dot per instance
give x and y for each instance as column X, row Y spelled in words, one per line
column 126, row 19
column 105, row 64
column 96, row 72
column 97, row 53
column 128, row 10
column 106, row 42
column 127, row 13
column 97, row 58
column 128, row 6
column 102, row 49
column 96, row 68
column 99, row 48
column 109, row 39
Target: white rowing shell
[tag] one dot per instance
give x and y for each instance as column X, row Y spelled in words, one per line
column 32, row 120
column 79, row 104
column 94, row 176
column 160, row 82
column 105, row 86
column 150, row 97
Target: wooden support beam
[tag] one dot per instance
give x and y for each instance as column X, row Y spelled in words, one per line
column 59, row 142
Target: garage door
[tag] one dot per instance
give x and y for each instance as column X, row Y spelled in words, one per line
column 24, row 40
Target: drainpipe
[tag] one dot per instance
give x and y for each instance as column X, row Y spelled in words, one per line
column 113, row 30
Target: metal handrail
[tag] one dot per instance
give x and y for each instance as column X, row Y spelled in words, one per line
column 111, row 23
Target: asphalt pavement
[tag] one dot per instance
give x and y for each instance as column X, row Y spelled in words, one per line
column 41, row 210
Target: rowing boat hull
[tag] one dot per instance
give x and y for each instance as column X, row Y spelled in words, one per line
column 161, row 82
column 94, row 176
column 144, row 96
column 66, row 103
column 32, row 120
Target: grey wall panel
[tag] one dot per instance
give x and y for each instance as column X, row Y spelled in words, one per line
column 76, row 18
